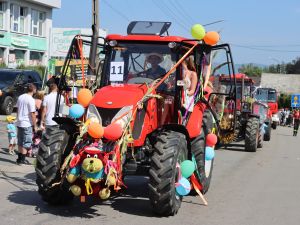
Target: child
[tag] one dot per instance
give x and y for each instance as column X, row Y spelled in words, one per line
column 12, row 134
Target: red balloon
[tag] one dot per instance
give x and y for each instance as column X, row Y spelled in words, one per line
column 113, row 131
column 211, row 139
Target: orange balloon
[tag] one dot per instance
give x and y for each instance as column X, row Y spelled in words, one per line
column 95, row 130
column 211, row 38
column 84, row 97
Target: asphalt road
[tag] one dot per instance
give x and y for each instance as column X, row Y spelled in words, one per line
column 247, row 188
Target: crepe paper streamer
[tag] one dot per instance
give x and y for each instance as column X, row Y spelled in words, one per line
column 76, row 111
column 198, row 31
column 211, row 139
column 95, row 130
column 187, row 168
column 84, row 97
column 198, row 187
column 211, row 38
column 209, row 153
column 183, row 187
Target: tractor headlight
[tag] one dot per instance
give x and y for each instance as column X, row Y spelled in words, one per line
column 93, row 114
column 123, row 121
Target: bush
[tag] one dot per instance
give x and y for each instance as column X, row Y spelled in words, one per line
column 284, row 101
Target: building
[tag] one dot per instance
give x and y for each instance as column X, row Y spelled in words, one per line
column 26, row 28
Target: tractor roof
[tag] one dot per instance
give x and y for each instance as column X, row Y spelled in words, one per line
column 238, row 77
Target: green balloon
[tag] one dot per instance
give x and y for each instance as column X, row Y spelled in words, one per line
column 198, row 31
column 187, row 168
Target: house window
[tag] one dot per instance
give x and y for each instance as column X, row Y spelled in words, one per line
column 2, row 15
column 37, row 22
column 18, row 18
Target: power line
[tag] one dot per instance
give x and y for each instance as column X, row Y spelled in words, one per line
column 116, row 11
column 264, row 49
column 184, row 11
column 183, row 14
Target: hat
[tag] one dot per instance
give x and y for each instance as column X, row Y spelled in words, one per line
column 161, row 58
column 10, row 119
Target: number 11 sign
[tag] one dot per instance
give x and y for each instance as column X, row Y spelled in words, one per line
column 116, row 71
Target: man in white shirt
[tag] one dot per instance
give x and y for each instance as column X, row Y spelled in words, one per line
column 49, row 104
column 26, row 121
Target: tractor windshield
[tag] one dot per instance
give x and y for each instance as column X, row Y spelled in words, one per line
column 266, row 95
column 131, row 63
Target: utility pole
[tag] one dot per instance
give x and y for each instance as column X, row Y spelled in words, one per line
column 95, row 29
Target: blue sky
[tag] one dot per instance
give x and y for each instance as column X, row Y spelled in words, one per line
column 264, row 32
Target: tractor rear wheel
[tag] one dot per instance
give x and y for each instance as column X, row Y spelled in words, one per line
column 252, row 134
column 169, row 151
column 204, row 167
column 48, row 163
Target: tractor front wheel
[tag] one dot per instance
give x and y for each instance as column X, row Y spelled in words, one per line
column 252, row 134
column 169, row 151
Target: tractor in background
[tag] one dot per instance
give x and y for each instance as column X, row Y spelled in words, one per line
column 269, row 96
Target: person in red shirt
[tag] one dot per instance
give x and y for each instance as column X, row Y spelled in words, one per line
column 296, row 116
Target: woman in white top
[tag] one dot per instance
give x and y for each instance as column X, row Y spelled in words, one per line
column 190, row 83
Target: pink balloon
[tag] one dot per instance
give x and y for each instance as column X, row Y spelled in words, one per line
column 211, row 139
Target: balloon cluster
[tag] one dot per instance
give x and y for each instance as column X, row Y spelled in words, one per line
column 211, row 141
column 210, row 38
column 183, row 186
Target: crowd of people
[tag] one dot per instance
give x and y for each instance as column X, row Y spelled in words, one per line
column 290, row 118
column 34, row 114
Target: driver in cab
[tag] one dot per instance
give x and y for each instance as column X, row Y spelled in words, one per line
column 156, row 71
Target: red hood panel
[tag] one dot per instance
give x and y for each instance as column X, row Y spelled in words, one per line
column 119, row 96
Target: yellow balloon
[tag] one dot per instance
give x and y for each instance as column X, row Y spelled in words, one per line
column 198, row 31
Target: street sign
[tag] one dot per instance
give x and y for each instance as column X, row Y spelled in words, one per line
column 295, row 101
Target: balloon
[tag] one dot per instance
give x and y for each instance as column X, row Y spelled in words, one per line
column 209, row 153
column 84, row 97
column 95, row 130
column 187, row 168
column 184, row 186
column 76, row 111
column 211, row 38
column 198, row 31
column 113, row 131
column 211, row 139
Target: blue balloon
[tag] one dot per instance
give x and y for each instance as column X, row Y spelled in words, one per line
column 209, row 153
column 184, row 187
column 76, row 111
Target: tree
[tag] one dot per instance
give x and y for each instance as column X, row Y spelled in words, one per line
column 250, row 70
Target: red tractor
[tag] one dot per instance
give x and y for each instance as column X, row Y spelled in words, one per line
column 158, row 132
column 270, row 97
column 252, row 117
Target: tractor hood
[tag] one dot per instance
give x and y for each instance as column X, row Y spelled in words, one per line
column 119, row 96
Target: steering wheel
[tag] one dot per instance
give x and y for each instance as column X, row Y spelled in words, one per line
column 140, row 80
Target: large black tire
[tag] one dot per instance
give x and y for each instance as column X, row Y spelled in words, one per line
column 170, row 149
column 252, row 134
column 204, row 168
column 267, row 135
column 7, row 106
column 48, row 163
column 274, row 125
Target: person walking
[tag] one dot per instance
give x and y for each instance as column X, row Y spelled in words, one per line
column 26, row 122
column 296, row 116
column 49, row 103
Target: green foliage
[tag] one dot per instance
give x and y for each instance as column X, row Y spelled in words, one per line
column 250, row 70
column 284, row 101
column 39, row 69
column 3, row 65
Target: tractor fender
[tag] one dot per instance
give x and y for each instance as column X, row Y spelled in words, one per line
column 67, row 124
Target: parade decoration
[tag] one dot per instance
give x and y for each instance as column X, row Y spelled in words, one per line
column 209, row 153
column 84, row 97
column 95, row 130
column 211, row 38
column 187, row 168
column 113, row 131
column 183, row 187
column 211, row 139
column 76, row 111
column 198, row 31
